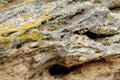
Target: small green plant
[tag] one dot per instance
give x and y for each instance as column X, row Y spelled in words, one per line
column 53, row 25
column 6, row 1
column 3, row 1
column 80, row 0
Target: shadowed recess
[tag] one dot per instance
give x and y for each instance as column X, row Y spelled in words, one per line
column 18, row 46
column 57, row 69
column 92, row 35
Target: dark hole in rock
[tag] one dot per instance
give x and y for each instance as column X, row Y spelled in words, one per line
column 115, row 8
column 92, row 35
column 77, row 32
column 66, row 30
column 62, row 36
column 35, row 46
column 44, row 22
column 57, row 69
column 18, row 46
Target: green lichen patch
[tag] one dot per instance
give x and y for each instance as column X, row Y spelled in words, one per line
column 28, row 30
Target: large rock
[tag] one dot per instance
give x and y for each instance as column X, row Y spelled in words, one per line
column 60, row 40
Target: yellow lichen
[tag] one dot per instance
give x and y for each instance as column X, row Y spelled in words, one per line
column 0, row 36
column 7, row 27
column 32, row 34
column 5, row 42
column 28, row 25
column 11, row 29
column 21, row 33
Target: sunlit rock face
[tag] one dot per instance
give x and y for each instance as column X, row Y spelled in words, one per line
column 60, row 40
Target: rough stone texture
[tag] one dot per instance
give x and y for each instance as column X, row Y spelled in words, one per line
column 60, row 40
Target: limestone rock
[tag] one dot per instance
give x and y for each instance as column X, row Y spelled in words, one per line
column 60, row 40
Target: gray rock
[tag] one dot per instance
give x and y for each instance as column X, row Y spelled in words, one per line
column 61, row 40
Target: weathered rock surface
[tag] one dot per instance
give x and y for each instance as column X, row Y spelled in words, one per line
column 60, row 40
